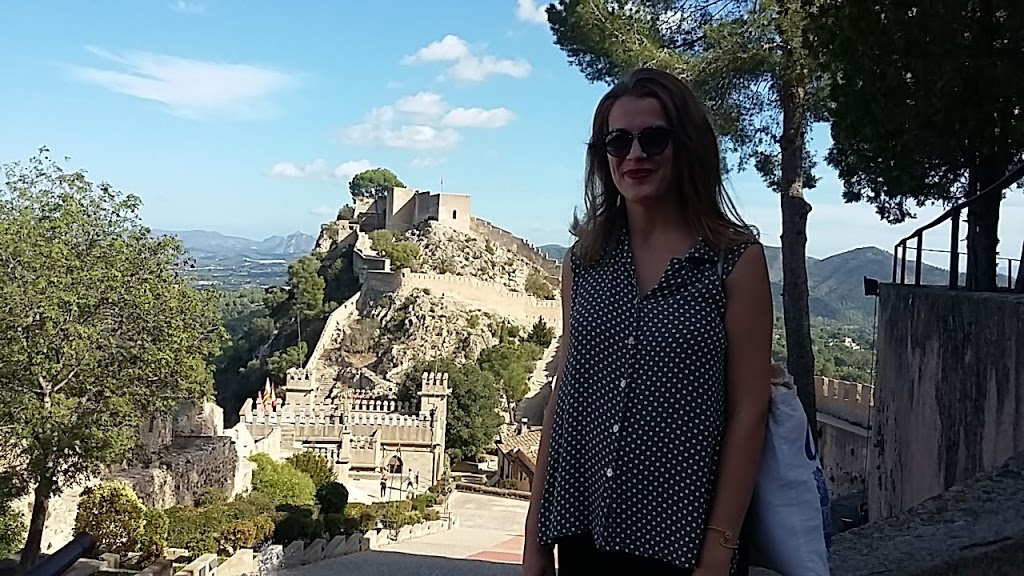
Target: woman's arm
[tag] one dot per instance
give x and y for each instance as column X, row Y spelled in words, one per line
column 541, row 466
column 748, row 327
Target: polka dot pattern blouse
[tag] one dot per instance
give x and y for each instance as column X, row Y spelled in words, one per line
column 641, row 408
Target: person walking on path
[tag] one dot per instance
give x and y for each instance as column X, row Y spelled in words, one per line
column 409, row 483
column 653, row 433
column 383, row 484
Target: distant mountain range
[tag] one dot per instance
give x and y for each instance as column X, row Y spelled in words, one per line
column 203, row 243
column 836, row 283
column 233, row 262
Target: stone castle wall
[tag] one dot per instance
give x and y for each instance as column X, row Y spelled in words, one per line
column 949, row 402
column 334, row 329
column 510, row 241
column 844, row 415
column 470, row 292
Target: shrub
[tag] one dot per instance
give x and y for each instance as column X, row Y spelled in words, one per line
column 508, row 484
column 113, row 514
column 332, row 498
column 402, row 254
column 335, row 525
column 280, row 482
column 429, row 515
column 538, row 287
column 153, row 541
column 247, row 533
column 540, row 334
column 12, row 530
column 315, row 466
column 296, row 524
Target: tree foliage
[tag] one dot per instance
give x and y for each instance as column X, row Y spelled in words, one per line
column 114, row 515
column 319, row 470
column 749, row 62
column 307, row 285
column 925, row 108
column 98, row 327
column 373, row 183
column 280, row 482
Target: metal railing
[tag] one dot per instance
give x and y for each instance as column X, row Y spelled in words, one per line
column 953, row 214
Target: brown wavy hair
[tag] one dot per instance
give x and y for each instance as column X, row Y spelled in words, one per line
column 696, row 170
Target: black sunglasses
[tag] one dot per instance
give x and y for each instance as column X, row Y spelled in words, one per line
column 654, row 140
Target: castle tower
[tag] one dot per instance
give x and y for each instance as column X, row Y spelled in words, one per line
column 434, row 393
column 299, row 388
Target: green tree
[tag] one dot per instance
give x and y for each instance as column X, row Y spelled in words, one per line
column 510, row 366
column 307, row 285
column 347, row 212
column 473, row 417
column 373, row 183
column 319, row 470
column 748, row 61
column 283, row 360
column 540, row 334
column 113, row 514
column 924, row 110
column 99, row 326
column 280, row 482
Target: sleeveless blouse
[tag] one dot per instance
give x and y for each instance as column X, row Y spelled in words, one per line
column 641, row 407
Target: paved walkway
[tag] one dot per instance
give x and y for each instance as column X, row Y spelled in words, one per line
column 487, row 542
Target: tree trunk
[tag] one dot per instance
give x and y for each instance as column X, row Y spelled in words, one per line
column 983, row 229
column 796, row 311
column 1020, row 272
column 34, row 541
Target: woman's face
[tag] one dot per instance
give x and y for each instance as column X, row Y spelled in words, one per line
column 639, row 148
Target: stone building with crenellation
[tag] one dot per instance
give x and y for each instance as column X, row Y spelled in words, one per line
column 359, row 431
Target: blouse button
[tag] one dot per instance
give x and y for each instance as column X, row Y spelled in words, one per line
column 609, row 472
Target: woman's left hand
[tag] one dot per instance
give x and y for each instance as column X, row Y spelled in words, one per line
column 715, row 560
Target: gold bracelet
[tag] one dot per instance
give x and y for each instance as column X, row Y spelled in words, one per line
column 727, row 536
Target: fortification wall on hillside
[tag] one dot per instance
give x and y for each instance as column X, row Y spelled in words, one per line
column 844, row 417
column 510, row 241
column 334, row 329
column 470, row 292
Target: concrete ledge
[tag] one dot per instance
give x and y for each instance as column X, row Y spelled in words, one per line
column 975, row 529
column 478, row 489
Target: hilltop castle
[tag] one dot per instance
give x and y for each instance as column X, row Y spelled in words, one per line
column 361, row 431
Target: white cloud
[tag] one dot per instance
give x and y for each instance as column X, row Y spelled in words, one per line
column 321, row 168
column 529, row 11
column 477, row 118
column 190, row 88
column 424, row 105
column 423, row 121
column 186, row 7
column 449, row 48
column 467, row 66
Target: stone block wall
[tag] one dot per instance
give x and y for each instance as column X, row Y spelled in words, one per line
column 193, row 467
column 510, row 241
column 479, row 294
column 949, row 398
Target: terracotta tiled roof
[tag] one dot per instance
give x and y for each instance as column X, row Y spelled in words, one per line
column 528, row 442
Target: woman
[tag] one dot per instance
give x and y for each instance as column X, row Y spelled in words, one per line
column 654, row 431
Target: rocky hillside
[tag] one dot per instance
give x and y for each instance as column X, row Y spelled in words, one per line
column 447, row 251
column 393, row 333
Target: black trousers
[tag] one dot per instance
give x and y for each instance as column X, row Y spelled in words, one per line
column 578, row 556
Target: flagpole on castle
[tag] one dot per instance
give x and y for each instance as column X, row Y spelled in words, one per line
column 442, row 184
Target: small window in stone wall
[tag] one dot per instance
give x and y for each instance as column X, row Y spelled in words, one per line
column 454, row 214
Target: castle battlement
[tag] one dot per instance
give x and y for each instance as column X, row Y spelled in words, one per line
column 413, row 280
column 434, row 384
column 355, row 405
column 389, row 420
column 849, row 401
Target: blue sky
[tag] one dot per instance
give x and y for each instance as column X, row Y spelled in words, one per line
column 249, row 117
